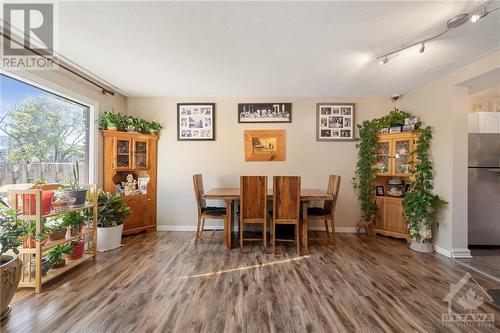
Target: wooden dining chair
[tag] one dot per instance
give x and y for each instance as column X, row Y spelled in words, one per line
column 253, row 206
column 204, row 212
column 286, row 207
column 327, row 213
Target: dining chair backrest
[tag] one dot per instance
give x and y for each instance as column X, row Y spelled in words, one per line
column 333, row 189
column 253, row 197
column 286, row 197
column 198, row 191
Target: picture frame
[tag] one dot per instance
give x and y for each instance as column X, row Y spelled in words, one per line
column 264, row 112
column 142, row 185
column 395, row 129
column 335, row 121
column 265, row 145
column 380, row 191
column 195, row 121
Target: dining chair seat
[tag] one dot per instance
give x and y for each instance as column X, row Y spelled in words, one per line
column 317, row 211
column 214, row 211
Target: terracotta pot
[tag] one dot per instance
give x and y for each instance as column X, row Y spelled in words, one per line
column 57, row 235
column 29, row 203
column 77, row 251
column 10, row 274
column 30, row 242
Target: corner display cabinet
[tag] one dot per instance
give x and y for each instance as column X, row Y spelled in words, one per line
column 393, row 163
column 136, row 154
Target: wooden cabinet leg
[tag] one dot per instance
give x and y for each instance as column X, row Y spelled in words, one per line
column 305, row 205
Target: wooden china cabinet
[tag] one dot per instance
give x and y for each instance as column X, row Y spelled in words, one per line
column 132, row 153
column 394, row 158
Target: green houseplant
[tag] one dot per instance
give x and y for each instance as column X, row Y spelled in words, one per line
column 56, row 228
column 75, row 193
column 108, row 120
column 112, row 212
column 55, row 255
column 11, row 232
column 74, row 221
column 154, row 127
column 420, row 206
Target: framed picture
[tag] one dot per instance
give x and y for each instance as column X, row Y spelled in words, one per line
column 195, row 122
column 142, row 184
column 265, row 145
column 380, row 191
column 395, row 129
column 335, row 122
column 265, row 113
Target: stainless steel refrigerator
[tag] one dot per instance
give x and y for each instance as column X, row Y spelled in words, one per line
column 484, row 189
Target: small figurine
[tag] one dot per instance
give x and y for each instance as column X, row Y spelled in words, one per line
column 130, row 186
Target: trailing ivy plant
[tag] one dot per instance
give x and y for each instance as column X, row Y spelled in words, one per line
column 420, row 205
column 365, row 172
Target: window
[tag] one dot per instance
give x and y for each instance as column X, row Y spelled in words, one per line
column 41, row 134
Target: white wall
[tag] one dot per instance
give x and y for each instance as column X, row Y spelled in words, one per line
column 442, row 103
column 222, row 162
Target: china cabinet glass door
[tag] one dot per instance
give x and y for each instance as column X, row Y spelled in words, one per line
column 382, row 165
column 123, row 154
column 402, row 150
column 140, row 154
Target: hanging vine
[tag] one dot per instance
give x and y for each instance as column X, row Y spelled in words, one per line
column 420, row 205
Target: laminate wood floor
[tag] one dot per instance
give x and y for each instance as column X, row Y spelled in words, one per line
column 163, row 282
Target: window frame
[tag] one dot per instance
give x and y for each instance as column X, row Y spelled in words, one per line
column 60, row 91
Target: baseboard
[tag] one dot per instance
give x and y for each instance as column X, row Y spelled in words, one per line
column 340, row 230
column 461, row 254
column 442, row 251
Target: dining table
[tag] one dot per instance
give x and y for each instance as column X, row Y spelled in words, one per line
column 232, row 194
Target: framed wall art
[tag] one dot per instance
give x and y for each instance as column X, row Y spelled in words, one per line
column 195, row 121
column 265, row 113
column 265, row 145
column 335, row 122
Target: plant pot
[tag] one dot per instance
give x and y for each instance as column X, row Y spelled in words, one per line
column 29, row 203
column 421, row 246
column 57, row 235
column 79, row 196
column 45, row 267
column 153, row 132
column 58, row 265
column 77, row 251
column 30, row 242
column 111, row 126
column 109, row 238
column 10, row 274
column 60, row 206
column 130, row 128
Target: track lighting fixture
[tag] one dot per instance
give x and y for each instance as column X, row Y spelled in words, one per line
column 452, row 23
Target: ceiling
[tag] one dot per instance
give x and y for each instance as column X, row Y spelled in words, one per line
column 269, row 48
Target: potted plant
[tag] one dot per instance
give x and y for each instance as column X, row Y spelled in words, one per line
column 77, row 248
column 46, row 264
column 420, row 205
column 11, row 231
column 30, row 236
column 76, row 192
column 55, row 255
column 29, row 200
column 73, row 221
column 154, row 127
column 131, row 124
column 108, row 120
column 60, row 202
column 56, row 227
column 112, row 212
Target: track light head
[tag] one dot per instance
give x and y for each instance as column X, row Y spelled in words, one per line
column 476, row 17
column 383, row 61
column 422, row 48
